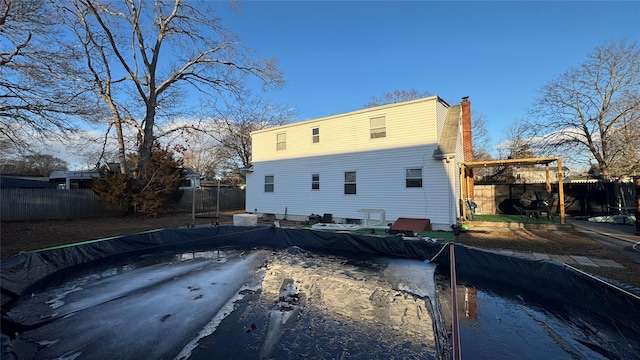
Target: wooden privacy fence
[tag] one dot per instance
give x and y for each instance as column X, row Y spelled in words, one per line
column 581, row 199
column 54, row 204
column 231, row 198
column 50, row 204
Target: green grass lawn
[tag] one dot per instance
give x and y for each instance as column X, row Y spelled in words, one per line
column 449, row 235
column 444, row 235
column 516, row 219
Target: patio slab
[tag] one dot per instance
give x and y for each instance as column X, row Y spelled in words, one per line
column 607, row 263
column 539, row 256
column 583, row 260
column 523, row 254
column 565, row 259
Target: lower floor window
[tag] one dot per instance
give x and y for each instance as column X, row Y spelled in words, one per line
column 268, row 183
column 315, row 182
column 414, row 177
column 349, row 182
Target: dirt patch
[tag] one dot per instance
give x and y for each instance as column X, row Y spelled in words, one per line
column 16, row 237
column 565, row 242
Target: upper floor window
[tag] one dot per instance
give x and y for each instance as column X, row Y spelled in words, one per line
column 268, row 183
column 378, row 127
column 315, row 135
column 349, row 182
column 315, row 182
column 414, row 177
column 281, row 141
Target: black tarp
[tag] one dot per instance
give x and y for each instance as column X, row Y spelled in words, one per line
column 559, row 284
column 27, row 272
column 550, row 281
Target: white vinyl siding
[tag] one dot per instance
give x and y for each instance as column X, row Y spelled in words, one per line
column 411, row 135
column 377, row 188
column 411, row 124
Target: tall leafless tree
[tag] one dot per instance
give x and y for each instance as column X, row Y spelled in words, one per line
column 35, row 164
column 97, row 60
column 219, row 145
column 625, row 145
column 39, row 94
column 481, row 139
column 516, row 145
column 240, row 118
column 163, row 55
column 396, row 96
column 585, row 110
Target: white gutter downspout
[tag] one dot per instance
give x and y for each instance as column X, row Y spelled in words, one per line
column 452, row 182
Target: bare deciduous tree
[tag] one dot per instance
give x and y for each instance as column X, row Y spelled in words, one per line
column 396, row 96
column 586, row 109
column 160, row 51
column 34, row 164
column 516, row 144
column 97, row 58
column 199, row 150
column 481, row 139
column 625, row 145
column 220, row 144
column 239, row 119
column 39, row 96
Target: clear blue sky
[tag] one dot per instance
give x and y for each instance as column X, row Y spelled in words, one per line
column 337, row 55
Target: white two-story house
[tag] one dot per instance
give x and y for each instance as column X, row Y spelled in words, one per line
column 402, row 158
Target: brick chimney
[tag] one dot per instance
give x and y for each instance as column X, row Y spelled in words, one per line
column 467, row 143
column 466, row 129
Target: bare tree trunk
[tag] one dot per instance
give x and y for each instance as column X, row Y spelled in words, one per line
column 122, row 159
column 146, row 146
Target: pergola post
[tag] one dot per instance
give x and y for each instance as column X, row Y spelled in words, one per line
column 561, row 191
column 546, row 168
column 463, row 174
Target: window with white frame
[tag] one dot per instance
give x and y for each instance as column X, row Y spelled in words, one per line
column 378, row 127
column 349, row 182
column 315, row 135
column 414, row 177
column 268, row 183
column 281, row 141
column 315, row 182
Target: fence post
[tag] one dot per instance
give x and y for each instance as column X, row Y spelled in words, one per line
column 637, row 181
column 218, row 205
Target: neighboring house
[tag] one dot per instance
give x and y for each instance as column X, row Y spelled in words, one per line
column 81, row 179
column 403, row 158
column 13, row 181
column 76, row 179
column 191, row 179
column 538, row 174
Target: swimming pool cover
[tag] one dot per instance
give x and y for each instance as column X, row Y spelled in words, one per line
column 559, row 285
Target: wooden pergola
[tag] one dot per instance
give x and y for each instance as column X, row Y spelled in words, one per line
column 467, row 176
